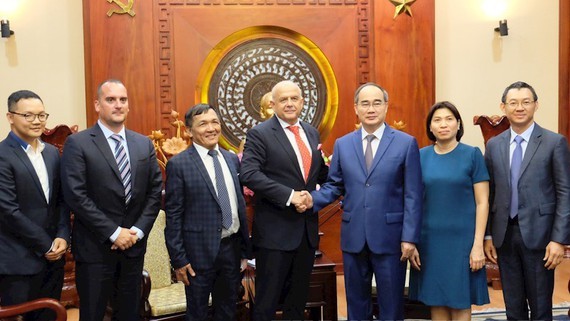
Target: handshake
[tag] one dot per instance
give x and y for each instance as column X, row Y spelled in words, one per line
column 302, row 201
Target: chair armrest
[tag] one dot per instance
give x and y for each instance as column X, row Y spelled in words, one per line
column 145, row 292
column 44, row 303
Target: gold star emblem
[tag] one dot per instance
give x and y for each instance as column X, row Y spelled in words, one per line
column 403, row 6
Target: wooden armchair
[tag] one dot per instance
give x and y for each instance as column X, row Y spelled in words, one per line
column 11, row 312
column 163, row 298
column 69, row 298
column 492, row 126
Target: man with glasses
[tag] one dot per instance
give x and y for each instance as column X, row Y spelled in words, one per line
column 529, row 220
column 377, row 170
column 34, row 223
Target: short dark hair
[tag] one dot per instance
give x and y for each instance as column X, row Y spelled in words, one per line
column 114, row 81
column 359, row 89
column 453, row 110
column 197, row 110
column 518, row 85
column 16, row 96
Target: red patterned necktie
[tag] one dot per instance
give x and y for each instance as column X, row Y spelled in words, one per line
column 305, row 153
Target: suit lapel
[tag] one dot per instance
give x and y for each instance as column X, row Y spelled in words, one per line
column 357, row 139
column 24, row 159
column 282, row 139
column 103, row 146
column 531, row 148
column 50, row 167
column 197, row 160
column 504, row 155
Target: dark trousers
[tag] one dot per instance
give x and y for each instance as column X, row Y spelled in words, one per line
column 16, row 289
column 390, row 275
column 222, row 281
column 117, row 280
column 286, row 275
column 526, row 282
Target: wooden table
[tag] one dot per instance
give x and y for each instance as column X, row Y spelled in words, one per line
column 322, row 301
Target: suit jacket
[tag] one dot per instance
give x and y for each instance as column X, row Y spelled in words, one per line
column 544, row 189
column 28, row 223
column 193, row 214
column 94, row 191
column 271, row 170
column 384, row 207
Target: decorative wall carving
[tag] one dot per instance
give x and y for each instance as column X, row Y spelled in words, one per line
column 236, row 125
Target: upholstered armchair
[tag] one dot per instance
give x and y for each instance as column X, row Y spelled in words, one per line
column 163, row 298
column 11, row 312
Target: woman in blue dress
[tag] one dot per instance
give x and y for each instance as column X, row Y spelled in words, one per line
column 449, row 263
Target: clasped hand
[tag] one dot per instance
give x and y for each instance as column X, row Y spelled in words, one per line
column 302, row 201
column 126, row 239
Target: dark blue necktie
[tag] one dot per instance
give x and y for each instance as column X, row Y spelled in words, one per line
column 515, row 173
column 223, row 196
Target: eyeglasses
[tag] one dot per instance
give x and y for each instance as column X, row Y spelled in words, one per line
column 524, row 103
column 31, row 117
column 376, row 104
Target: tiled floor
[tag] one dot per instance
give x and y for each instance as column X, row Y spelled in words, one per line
column 561, row 295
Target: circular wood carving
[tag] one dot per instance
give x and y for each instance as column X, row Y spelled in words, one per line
column 249, row 68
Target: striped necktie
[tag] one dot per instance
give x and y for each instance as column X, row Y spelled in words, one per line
column 124, row 165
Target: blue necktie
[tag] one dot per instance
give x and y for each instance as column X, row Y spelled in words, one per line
column 515, row 173
column 223, row 196
column 124, row 166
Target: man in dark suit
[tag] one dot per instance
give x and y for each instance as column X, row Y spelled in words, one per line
column 279, row 161
column 378, row 171
column 34, row 224
column 112, row 182
column 206, row 227
column 529, row 219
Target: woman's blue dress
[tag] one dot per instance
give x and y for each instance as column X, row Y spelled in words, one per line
column 448, row 229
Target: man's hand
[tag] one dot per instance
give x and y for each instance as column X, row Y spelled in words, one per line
column 299, row 199
column 58, row 250
column 242, row 265
column 490, row 251
column 309, row 200
column 554, row 255
column 407, row 250
column 126, row 239
column 415, row 260
column 182, row 274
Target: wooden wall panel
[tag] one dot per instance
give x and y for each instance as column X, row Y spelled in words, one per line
column 159, row 52
column 404, row 62
column 121, row 47
column 564, row 70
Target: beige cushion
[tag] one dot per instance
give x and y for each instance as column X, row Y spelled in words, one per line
column 167, row 300
column 156, row 259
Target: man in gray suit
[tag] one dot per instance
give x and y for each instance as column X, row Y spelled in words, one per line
column 529, row 220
